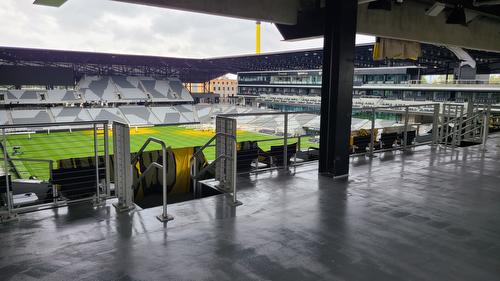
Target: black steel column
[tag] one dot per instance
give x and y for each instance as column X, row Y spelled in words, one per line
column 336, row 90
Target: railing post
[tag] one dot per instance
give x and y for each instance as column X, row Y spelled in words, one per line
column 486, row 120
column 471, row 122
column 194, row 171
column 96, row 159
column 164, row 217
column 405, row 134
column 460, row 120
column 447, row 110
column 106, row 159
column 285, row 142
column 10, row 214
column 454, row 136
column 234, row 158
column 54, row 188
column 435, row 125
column 372, row 133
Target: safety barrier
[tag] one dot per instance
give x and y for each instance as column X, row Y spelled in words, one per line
column 289, row 139
column 230, row 160
column 34, row 176
column 164, row 216
column 460, row 124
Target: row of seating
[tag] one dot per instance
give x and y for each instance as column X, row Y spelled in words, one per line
column 360, row 144
column 251, row 156
column 114, row 89
column 133, row 115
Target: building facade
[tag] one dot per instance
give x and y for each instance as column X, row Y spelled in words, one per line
column 226, row 87
column 301, row 89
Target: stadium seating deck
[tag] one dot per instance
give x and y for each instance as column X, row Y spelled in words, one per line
column 70, row 114
column 111, row 114
column 128, row 88
column 116, row 89
column 400, row 216
column 4, row 117
column 31, row 116
column 139, row 115
column 187, row 113
column 167, row 115
column 62, row 96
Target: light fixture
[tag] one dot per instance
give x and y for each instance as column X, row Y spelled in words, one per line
column 436, row 9
column 51, row 3
column 380, row 5
column 457, row 16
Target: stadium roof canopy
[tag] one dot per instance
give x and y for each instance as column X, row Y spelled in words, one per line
column 435, row 59
column 471, row 24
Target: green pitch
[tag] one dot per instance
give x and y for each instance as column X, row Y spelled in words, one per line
column 64, row 145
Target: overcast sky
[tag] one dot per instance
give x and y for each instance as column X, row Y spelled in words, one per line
column 114, row 27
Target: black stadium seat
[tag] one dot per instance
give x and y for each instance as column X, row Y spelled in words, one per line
column 77, row 183
column 245, row 158
column 410, row 137
column 387, row 140
column 360, row 143
column 274, row 157
column 3, row 189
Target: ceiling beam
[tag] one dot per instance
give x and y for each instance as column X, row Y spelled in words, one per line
column 51, row 3
column 407, row 21
column 278, row 11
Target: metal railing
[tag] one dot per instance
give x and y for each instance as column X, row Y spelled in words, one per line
column 303, row 137
column 164, row 216
column 195, row 174
column 470, row 125
column 403, row 140
column 30, row 154
column 456, row 82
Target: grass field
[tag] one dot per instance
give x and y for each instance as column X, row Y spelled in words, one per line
column 64, row 145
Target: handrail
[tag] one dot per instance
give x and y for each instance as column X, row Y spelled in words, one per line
column 453, row 120
column 208, row 167
column 470, row 131
column 194, row 173
column 199, row 150
column 28, row 160
column 55, row 124
column 149, row 140
column 143, row 174
column 474, row 116
column 164, row 217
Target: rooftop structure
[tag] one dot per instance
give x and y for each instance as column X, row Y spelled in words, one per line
column 410, row 194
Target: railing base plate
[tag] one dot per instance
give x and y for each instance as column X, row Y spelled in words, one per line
column 122, row 209
column 8, row 218
column 235, row 204
column 165, row 218
column 100, row 203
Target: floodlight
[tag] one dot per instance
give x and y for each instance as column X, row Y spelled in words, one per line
column 436, row 9
column 457, row 16
column 51, row 3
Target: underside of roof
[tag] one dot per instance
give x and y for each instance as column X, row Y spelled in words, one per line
column 413, row 20
column 434, row 59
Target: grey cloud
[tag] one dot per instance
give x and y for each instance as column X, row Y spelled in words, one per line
column 108, row 26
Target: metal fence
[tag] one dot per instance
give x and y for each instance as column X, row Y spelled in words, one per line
column 54, row 157
column 279, row 140
column 48, row 164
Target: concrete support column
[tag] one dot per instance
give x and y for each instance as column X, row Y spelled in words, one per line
column 336, row 91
